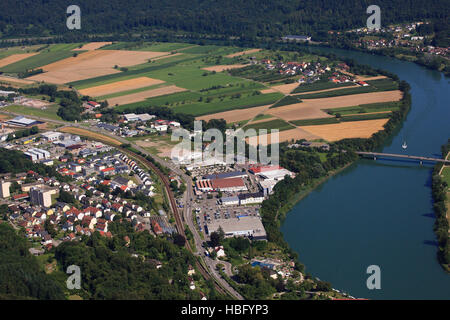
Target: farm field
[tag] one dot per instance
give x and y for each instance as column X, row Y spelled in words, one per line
column 344, row 130
column 198, row 109
column 92, row 46
column 286, row 101
column 15, row 81
column 49, row 112
column 319, row 86
column 6, row 52
column 46, row 56
column 140, row 70
column 312, row 108
column 91, row 64
column 120, row 86
column 235, row 115
column 148, row 46
column 303, row 110
column 270, row 124
column 15, row 58
column 221, row 68
column 240, row 53
column 286, row 88
column 287, row 135
column 375, row 86
column 366, row 108
column 141, row 96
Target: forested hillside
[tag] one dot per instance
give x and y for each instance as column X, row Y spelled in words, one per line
column 224, row 17
column 21, row 276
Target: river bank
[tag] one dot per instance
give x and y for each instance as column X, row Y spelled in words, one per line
column 441, row 204
column 380, row 212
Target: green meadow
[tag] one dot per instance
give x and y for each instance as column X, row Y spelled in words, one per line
column 49, row 112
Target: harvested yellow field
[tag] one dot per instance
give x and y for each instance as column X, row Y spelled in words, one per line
column 119, row 86
column 141, row 96
column 235, row 115
column 15, row 57
column 92, row 64
column 92, row 135
column 312, row 108
column 344, row 130
column 362, row 78
column 299, row 111
column 240, row 53
column 287, row 135
column 221, row 68
column 286, row 88
column 92, row 46
column 15, row 80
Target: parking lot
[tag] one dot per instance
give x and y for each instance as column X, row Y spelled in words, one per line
column 208, row 210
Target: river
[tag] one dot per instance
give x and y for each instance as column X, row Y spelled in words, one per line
column 381, row 212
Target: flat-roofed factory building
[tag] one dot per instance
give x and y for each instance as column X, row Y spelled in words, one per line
column 243, row 226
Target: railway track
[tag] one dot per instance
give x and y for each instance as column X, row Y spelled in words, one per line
column 176, row 214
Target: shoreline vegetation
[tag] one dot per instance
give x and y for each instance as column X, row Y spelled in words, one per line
column 291, row 191
column 441, row 204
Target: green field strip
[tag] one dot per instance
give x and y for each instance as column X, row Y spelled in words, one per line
column 313, row 122
column 279, row 124
column 127, row 92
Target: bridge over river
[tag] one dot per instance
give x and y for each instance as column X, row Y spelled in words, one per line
column 376, row 155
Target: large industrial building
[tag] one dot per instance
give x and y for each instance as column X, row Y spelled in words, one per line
column 22, row 122
column 226, row 175
column 243, row 226
column 225, row 185
column 36, row 154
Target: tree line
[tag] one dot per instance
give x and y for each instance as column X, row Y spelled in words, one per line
column 250, row 18
column 441, row 226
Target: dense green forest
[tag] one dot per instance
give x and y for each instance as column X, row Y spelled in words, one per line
column 225, row 17
column 109, row 271
column 21, row 276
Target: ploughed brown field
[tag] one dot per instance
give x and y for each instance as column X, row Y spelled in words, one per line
column 15, row 57
column 92, row 64
column 312, row 108
column 221, row 68
column 240, row 53
column 235, row 115
column 344, row 130
column 120, row 86
column 141, row 96
column 92, row 46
